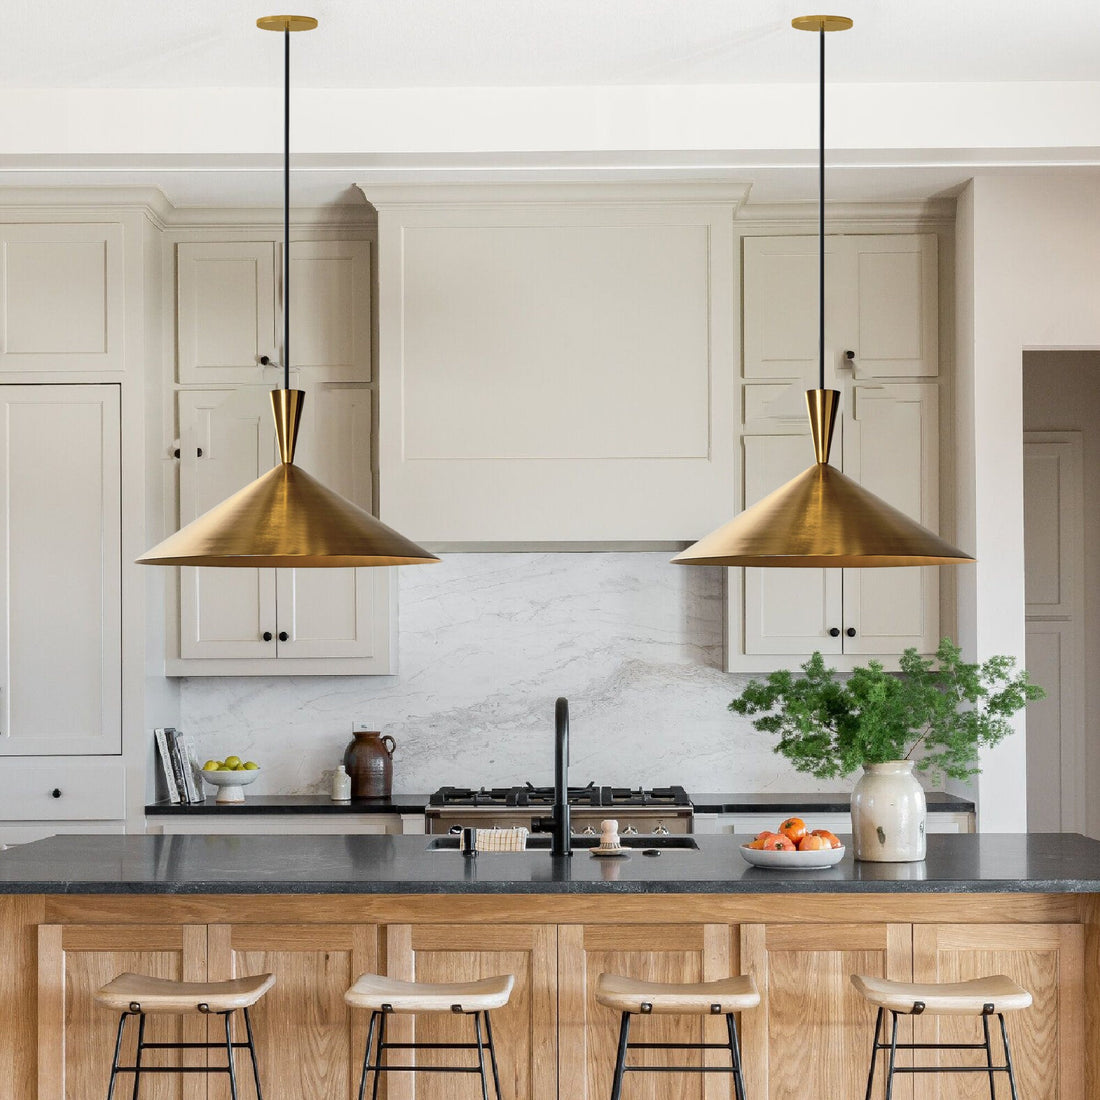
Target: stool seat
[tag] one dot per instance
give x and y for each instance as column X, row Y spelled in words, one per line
column 165, row 995
column 629, row 994
column 373, row 991
column 945, row 998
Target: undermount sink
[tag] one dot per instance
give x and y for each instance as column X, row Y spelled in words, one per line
column 540, row 842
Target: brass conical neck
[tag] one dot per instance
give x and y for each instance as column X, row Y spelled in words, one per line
column 822, row 406
column 286, row 406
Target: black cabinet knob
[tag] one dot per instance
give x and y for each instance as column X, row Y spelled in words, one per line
column 284, row 636
column 849, row 355
column 851, row 632
column 834, row 632
column 267, row 635
column 55, row 793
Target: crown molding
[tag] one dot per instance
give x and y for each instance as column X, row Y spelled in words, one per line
column 848, row 217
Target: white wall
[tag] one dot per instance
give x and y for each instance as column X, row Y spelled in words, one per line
column 488, row 641
column 1028, row 251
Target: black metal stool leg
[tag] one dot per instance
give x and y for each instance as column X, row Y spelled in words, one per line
column 620, row 1062
column 893, row 1055
column 492, row 1055
column 137, row 1057
column 480, row 1056
column 1008, row 1056
column 252, row 1052
column 366, row 1055
column 989, row 1056
column 378, row 1058
column 735, row 1055
column 874, row 1054
column 118, row 1050
column 229, row 1055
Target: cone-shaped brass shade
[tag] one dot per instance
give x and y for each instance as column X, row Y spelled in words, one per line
column 286, row 519
column 822, row 518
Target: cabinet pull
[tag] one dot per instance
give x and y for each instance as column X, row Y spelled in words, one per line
column 176, row 452
column 849, row 355
column 55, row 793
column 267, row 635
column 851, row 632
column 284, row 636
column 834, row 632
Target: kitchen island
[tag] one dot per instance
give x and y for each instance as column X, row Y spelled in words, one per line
column 316, row 911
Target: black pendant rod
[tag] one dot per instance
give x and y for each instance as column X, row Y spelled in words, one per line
column 286, row 207
column 821, row 216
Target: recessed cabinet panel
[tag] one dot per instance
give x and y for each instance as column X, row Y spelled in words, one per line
column 890, row 447
column 331, row 320
column 61, row 566
column 61, row 297
column 224, row 612
column 785, row 610
column 896, row 305
column 226, row 318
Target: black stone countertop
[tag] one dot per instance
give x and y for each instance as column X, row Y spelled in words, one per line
column 837, row 802
column 956, row 863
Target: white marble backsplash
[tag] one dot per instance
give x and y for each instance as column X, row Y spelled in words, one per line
column 488, row 642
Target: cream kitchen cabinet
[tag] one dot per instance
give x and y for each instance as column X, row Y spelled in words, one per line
column 240, row 622
column 881, row 305
column 888, row 440
column 60, row 592
column 61, row 297
column 229, row 311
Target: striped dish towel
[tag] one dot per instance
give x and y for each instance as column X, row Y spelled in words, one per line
column 501, row 840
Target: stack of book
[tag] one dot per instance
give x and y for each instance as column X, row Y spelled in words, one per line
column 180, row 773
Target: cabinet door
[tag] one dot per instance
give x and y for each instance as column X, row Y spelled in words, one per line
column 812, row 1025
column 894, row 328
column 786, row 610
column 589, row 1032
column 337, row 612
column 226, row 311
column 524, row 1031
column 331, row 301
column 891, row 446
column 780, row 302
column 227, row 439
column 1048, row 1039
column 310, row 1044
column 60, row 596
column 61, row 297
column 76, row 1036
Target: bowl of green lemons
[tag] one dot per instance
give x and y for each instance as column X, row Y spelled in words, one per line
column 230, row 776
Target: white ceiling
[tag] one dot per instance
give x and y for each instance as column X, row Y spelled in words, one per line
column 447, row 43
column 183, row 95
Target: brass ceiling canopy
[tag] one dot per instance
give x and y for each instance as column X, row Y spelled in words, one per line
column 286, row 518
column 822, row 518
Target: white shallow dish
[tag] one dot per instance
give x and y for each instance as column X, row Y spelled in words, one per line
column 793, row 861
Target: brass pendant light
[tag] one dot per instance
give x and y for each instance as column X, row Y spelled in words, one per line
column 286, row 518
column 822, row 517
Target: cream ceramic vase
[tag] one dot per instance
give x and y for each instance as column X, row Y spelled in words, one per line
column 888, row 814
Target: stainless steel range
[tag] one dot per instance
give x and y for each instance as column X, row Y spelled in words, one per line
column 658, row 810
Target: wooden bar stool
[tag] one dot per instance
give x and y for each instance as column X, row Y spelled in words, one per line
column 983, row 997
column 721, row 998
column 136, row 995
column 384, row 996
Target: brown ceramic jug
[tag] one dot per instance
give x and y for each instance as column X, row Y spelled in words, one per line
column 369, row 761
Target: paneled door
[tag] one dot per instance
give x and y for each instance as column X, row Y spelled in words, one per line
column 589, row 1032
column 60, row 570
column 76, row 1036
column 804, row 975
column 524, row 1031
column 1047, row 1039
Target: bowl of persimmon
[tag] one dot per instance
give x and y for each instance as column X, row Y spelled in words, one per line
column 794, row 846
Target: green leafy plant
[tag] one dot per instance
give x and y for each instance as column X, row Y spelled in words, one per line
column 943, row 710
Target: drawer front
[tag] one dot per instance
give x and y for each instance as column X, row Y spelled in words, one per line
column 63, row 790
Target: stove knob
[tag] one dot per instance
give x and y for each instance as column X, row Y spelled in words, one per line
column 630, row 830
column 455, row 830
column 660, row 829
column 589, row 830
